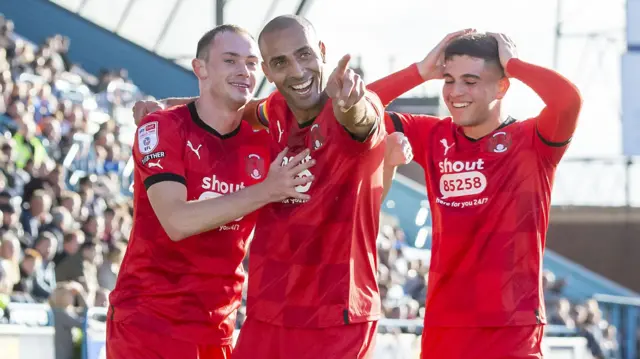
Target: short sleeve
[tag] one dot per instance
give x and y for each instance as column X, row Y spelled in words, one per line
column 416, row 128
column 158, row 149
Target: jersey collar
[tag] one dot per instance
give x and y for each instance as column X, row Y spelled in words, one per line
column 198, row 121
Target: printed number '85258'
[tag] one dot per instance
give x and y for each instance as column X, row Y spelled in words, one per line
column 462, row 184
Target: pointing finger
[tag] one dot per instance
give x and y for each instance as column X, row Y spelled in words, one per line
column 348, row 83
column 342, row 65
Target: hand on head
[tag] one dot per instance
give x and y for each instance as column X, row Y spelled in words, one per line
column 506, row 49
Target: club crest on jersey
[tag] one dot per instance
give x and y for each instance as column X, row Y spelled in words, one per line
column 148, row 137
column 254, row 166
column 499, row 142
column 316, row 136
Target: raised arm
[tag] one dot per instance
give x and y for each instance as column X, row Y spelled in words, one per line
column 357, row 109
column 558, row 120
column 430, row 68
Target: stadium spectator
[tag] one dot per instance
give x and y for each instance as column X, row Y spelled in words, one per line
column 10, row 260
column 560, row 313
column 45, row 245
column 66, row 317
column 70, row 246
column 23, row 291
column 108, row 270
column 81, row 267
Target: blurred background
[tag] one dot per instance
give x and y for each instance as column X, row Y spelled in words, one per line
column 70, row 71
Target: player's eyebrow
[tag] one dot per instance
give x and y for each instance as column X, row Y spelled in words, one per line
column 235, row 54
column 275, row 59
column 304, row 48
column 284, row 57
column 466, row 76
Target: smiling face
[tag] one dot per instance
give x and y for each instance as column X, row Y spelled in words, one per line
column 227, row 69
column 474, row 80
column 294, row 62
column 472, row 90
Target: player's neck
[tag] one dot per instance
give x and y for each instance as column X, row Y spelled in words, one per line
column 304, row 116
column 221, row 118
column 490, row 124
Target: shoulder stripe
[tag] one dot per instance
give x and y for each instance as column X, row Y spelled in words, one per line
column 397, row 123
column 551, row 143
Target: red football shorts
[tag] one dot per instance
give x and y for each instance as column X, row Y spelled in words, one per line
column 128, row 341
column 482, row 343
column 259, row 340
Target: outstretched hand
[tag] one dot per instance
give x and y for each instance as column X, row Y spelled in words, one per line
column 345, row 87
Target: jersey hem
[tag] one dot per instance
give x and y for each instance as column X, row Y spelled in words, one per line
column 352, row 320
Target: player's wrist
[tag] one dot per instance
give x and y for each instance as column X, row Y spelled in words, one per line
column 263, row 194
column 423, row 71
column 509, row 64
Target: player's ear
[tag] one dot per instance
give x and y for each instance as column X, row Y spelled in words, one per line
column 266, row 71
column 503, row 86
column 199, row 68
column 323, row 51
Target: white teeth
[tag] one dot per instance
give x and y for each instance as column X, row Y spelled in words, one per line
column 460, row 104
column 302, row 85
column 244, row 86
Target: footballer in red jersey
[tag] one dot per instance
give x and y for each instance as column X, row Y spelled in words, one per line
column 200, row 173
column 312, row 288
column 489, row 182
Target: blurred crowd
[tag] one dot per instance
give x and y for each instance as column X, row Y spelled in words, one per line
column 65, row 216
column 584, row 316
column 66, row 209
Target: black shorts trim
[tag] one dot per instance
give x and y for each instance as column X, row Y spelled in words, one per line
column 162, row 177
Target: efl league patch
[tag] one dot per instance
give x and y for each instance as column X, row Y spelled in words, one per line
column 148, row 137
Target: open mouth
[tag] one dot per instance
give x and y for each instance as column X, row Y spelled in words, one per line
column 460, row 104
column 239, row 85
column 303, row 88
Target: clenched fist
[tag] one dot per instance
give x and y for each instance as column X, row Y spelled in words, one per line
column 398, row 150
column 143, row 108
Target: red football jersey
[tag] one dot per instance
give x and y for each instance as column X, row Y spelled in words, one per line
column 490, row 202
column 314, row 264
column 193, row 285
